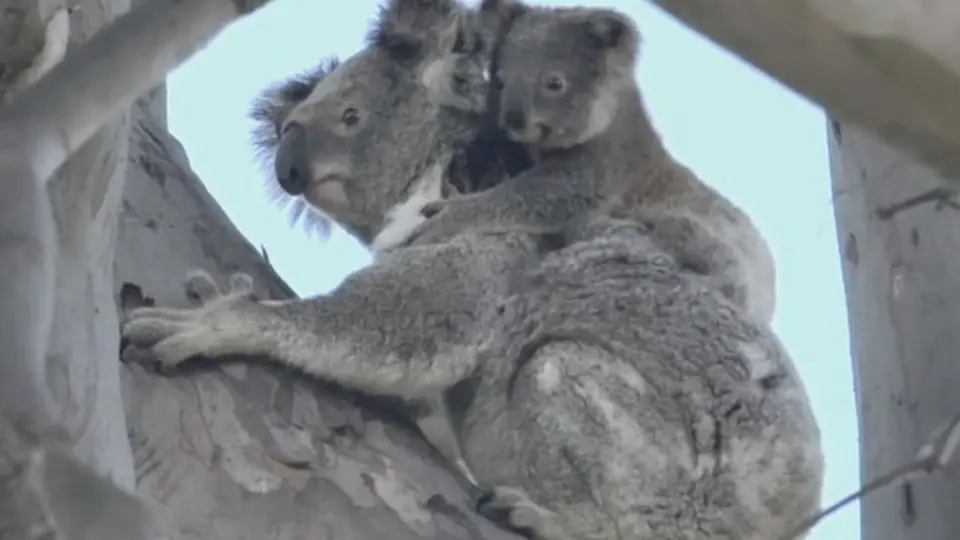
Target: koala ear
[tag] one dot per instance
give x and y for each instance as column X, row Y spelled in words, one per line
column 405, row 28
column 272, row 105
column 611, row 30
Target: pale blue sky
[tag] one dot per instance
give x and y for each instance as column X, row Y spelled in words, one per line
column 746, row 135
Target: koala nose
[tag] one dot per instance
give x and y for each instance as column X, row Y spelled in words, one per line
column 514, row 119
column 290, row 163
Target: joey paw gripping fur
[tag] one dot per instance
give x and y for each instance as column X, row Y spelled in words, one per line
column 447, row 218
column 213, row 328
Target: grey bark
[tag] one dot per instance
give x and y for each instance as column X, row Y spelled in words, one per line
column 900, row 274
column 245, row 451
column 238, row 451
column 890, row 66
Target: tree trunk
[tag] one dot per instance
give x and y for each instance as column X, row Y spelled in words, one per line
column 900, row 273
column 237, row 451
column 888, row 65
column 243, row 451
column 85, row 194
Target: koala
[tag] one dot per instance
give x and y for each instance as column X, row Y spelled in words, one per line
column 426, row 66
column 611, row 392
column 419, row 88
column 614, row 394
column 568, row 92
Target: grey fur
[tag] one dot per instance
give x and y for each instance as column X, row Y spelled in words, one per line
column 614, row 393
column 427, row 59
column 598, row 150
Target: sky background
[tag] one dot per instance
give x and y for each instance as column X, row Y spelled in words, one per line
column 745, row 134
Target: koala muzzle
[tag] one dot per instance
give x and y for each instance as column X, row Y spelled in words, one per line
column 291, row 164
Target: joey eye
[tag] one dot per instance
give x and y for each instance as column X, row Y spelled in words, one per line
column 350, row 116
column 554, row 83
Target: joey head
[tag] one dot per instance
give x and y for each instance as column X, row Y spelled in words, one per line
column 567, row 91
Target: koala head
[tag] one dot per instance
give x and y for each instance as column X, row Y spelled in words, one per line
column 349, row 139
column 559, row 71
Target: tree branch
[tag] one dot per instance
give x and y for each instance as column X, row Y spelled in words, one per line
column 890, row 66
column 44, row 489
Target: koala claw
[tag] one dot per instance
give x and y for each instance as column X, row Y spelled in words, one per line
column 513, row 510
column 174, row 335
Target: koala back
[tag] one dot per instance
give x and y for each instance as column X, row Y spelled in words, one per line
column 637, row 402
column 668, row 188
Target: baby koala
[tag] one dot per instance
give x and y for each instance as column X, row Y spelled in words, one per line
column 567, row 91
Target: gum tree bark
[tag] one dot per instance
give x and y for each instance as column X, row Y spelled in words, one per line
column 235, row 452
column 900, row 267
column 888, row 65
column 242, row 451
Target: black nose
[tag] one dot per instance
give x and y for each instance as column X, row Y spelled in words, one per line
column 514, row 119
column 291, row 164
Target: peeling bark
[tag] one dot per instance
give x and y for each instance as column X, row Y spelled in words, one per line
column 248, row 451
column 900, row 271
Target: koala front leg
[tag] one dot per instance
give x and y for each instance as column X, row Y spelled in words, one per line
column 403, row 326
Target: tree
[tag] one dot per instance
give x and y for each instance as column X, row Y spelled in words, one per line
column 241, row 451
column 900, row 274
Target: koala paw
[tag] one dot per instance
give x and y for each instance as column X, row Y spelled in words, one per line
column 446, row 219
column 513, row 510
column 216, row 327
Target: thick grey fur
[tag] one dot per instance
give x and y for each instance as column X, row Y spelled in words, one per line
column 614, row 394
column 598, row 150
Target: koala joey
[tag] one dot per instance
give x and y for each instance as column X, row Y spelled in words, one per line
column 568, row 92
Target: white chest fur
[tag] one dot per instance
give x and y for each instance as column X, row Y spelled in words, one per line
column 405, row 216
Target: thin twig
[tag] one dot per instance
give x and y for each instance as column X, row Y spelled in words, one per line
column 934, row 455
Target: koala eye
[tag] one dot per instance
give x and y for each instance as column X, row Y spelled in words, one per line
column 555, row 83
column 350, row 116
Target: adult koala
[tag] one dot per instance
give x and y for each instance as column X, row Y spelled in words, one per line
column 613, row 394
column 370, row 141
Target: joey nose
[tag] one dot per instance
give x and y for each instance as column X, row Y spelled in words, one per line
column 514, row 119
column 290, row 163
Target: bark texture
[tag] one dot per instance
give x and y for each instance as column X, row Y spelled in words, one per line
column 888, row 65
column 237, row 451
column 82, row 367
column 245, row 451
column 900, row 273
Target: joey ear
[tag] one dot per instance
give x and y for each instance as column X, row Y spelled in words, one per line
column 406, row 28
column 612, row 30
